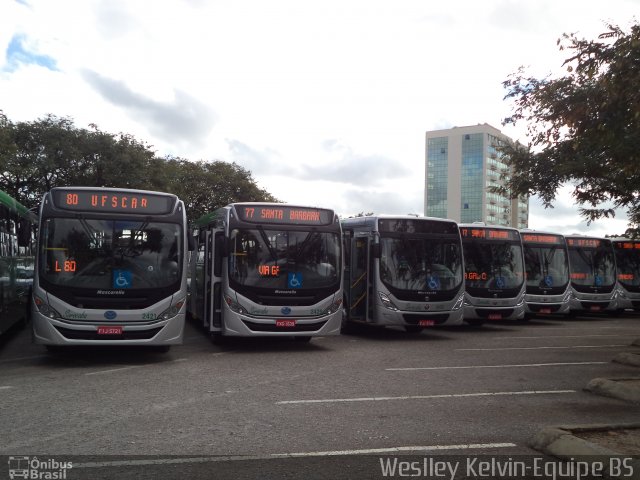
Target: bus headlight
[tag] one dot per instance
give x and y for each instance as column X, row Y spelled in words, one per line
column 44, row 308
column 171, row 311
column 387, row 303
column 233, row 305
column 459, row 302
column 333, row 308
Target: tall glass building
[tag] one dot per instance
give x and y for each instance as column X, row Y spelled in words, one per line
column 461, row 163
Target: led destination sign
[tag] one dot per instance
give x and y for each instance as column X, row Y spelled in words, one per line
column 583, row 242
column 284, row 215
column 627, row 245
column 112, row 201
column 489, row 234
column 538, row 238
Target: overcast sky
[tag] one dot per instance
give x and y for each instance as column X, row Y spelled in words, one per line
column 326, row 103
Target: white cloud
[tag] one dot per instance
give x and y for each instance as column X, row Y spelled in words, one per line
column 271, row 85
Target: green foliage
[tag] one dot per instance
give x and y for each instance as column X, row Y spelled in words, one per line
column 583, row 128
column 50, row 152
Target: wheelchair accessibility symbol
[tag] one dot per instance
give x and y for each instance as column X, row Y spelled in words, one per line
column 548, row 280
column 500, row 282
column 597, row 281
column 121, row 279
column 294, row 280
column 433, row 282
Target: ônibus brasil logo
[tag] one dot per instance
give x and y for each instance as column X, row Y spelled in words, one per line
column 35, row 468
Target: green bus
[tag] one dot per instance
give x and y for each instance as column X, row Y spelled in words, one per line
column 17, row 258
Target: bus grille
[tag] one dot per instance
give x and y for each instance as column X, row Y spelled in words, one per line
column 484, row 313
column 598, row 305
column 93, row 335
column 414, row 319
column 536, row 307
column 271, row 327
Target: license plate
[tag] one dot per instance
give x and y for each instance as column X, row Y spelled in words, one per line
column 426, row 323
column 110, row 330
column 285, row 323
column 545, row 310
column 594, row 308
column 495, row 316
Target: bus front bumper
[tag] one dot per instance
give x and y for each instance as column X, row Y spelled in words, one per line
column 47, row 331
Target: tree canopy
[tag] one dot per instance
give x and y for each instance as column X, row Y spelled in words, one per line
column 583, row 127
column 52, row 152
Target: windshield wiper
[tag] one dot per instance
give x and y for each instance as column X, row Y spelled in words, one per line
column 267, row 243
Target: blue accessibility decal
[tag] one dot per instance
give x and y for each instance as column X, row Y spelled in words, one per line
column 294, row 280
column 433, row 282
column 500, row 282
column 122, row 279
column 548, row 280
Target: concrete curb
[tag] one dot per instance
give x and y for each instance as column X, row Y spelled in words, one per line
column 632, row 359
column 561, row 443
column 616, row 388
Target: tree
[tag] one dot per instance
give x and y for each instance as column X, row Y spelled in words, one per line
column 583, row 127
column 207, row 186
column 52, row 152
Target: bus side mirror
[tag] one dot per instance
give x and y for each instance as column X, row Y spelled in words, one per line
column 376, row 250
column 24, row 233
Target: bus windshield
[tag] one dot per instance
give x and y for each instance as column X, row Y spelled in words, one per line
column 546, row 266
column 419, row 264
column 592, row 267
column 493, row 265
column 284, row 259
column 108, row 254
column 628, row 262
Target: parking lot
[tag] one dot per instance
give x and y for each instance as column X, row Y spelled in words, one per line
column 456, row 390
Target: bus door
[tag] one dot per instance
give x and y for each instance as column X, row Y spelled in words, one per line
column 214, row 253
column 359, row 281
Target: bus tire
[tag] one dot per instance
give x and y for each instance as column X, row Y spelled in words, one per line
column 161, row 348
column 412, row 329
column 476, row 322
column 217, row 338
column 301, row 339
column 54, row 349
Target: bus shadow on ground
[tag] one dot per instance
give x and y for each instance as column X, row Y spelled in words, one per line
column 371, row 332
column 269, row 344
column 103, row 355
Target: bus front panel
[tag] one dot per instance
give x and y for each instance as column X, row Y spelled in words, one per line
column 494, row 274
column 593, row 274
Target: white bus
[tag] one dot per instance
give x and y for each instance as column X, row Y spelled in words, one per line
column 17, row 250
column 403, row 271
column 593, row 274
column 494, row 273
column 627, row 254
column 110, row 268
column 268, row 269
column 546, row 262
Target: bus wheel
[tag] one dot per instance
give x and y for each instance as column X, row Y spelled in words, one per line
column 160, row 348
column 476, row 322
column 302, row 339
column 54, row 349
column 217, row 338
column 412, row 329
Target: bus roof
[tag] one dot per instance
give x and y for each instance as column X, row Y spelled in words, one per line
column 15, row 206
column 207, row 218
column 385, row 216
